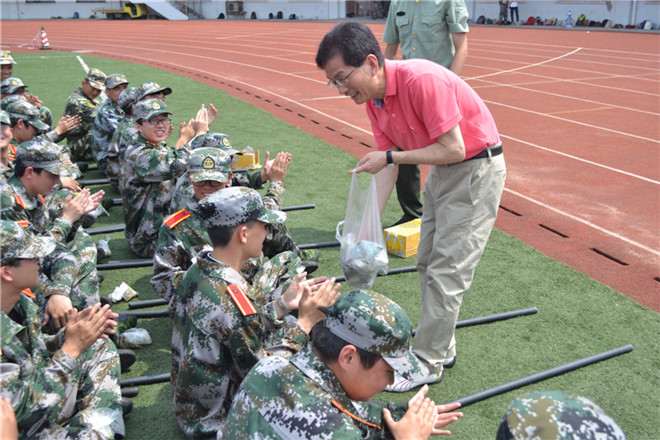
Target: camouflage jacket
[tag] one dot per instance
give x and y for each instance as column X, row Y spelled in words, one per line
column 45, row 384
column 149, row 174
column 105, row 124
column 218, row 335
column 301, row 398
column 124, row 135
column 79, row 140
column 17, row 205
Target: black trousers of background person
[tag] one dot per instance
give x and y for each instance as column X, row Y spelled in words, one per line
column 512, row 10
column 408, row 186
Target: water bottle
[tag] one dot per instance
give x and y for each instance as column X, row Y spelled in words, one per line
column 569, row 19
column 102, row 249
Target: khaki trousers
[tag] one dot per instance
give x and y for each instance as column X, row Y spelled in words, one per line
column 460, row 206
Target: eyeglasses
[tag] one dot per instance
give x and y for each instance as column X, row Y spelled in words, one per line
column 211, row 183
column 165, row 122
column 340, row 82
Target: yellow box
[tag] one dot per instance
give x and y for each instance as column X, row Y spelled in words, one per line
column 245, row 160
column 402, row 240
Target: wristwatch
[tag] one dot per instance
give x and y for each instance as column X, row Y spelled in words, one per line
column 390, row 161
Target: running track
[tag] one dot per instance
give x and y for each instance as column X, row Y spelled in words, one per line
column 578, row 114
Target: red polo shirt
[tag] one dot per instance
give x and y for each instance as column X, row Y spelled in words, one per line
column 424, row 100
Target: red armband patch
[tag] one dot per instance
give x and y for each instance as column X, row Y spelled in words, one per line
column 241, row 300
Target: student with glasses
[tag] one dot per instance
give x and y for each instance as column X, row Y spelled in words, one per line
column 150, row 169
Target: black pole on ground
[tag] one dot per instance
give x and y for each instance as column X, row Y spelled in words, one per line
column 145, row 380
column 125, row 264
column 89, row 182
column 105, row 229
column 146, row 314
column 395, row 271
column 147, row 303
column 496, row 317
column 298, row 207
column 130, row 392
column 323, row 244
column 543, row 375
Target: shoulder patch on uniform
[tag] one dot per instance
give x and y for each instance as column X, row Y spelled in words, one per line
column 176, row 218
column 352, row 416
column 241, row 300
column 19, row 200
column 23, row 223
column 28, row 293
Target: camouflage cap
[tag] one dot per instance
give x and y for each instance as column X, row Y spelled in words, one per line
column 235, row 206
column 6, row 58
column 217, row 140
column 149, row 88
column 96, row 79
column 21, row 243
column 376, row 324
column 27, row 112
column 115, row 79
column 11, row 98
column 4, row 118
column 42, row 153
column 11, row 85
column 149, row 109
column 209, row 164
column 127, row 98
column 545, row 415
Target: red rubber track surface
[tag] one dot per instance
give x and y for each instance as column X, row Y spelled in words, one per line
column 578, row 112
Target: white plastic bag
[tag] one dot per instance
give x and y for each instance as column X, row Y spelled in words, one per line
column 363, row 252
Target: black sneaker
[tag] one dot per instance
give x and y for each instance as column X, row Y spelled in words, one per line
column 448, row 363
column 126, row 405
column 310, row 266
column 127, row 358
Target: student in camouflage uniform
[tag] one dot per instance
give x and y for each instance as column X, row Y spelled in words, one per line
column 85, row 101
column 150, row 170
column 63, row 386
column 73, row 277
column 6, row 154
column 14, row 86
column 6, row 65
column 108, row 118
column 124, row 134
column 325, row 390
column 555, row 415
column 222, row 325
column 182, row 237
column 279, row 238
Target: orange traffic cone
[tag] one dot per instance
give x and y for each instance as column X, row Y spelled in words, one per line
column 44, row 40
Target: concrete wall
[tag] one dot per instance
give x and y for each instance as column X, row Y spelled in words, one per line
column 619, row 11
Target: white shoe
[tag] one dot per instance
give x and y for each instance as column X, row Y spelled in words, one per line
column 401, row 385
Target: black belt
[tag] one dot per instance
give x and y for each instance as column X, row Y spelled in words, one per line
column 494, row 151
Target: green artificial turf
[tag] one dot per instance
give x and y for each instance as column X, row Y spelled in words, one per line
column 577, row 316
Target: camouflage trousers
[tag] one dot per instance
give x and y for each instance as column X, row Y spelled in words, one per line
column 92, row 406
column 109, row 165
column 80, row 148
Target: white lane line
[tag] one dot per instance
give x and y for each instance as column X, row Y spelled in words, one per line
column 579, row 159
column 584, row 222
column 621, row 133
column 82, row 63
column 527, row 66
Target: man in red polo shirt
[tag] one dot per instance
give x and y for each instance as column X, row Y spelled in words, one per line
column 422, row 113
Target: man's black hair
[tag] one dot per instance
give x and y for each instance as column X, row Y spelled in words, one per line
column 353, row 40
column 19, row 169
column 327, row 347
column 221, row 235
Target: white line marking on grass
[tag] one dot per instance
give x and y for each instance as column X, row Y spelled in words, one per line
column 570, row 156
column 585, row 222
column 82, row 63
column 527, row 66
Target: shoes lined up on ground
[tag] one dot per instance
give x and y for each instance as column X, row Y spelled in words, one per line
column 127, row 358
column 401, row 385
